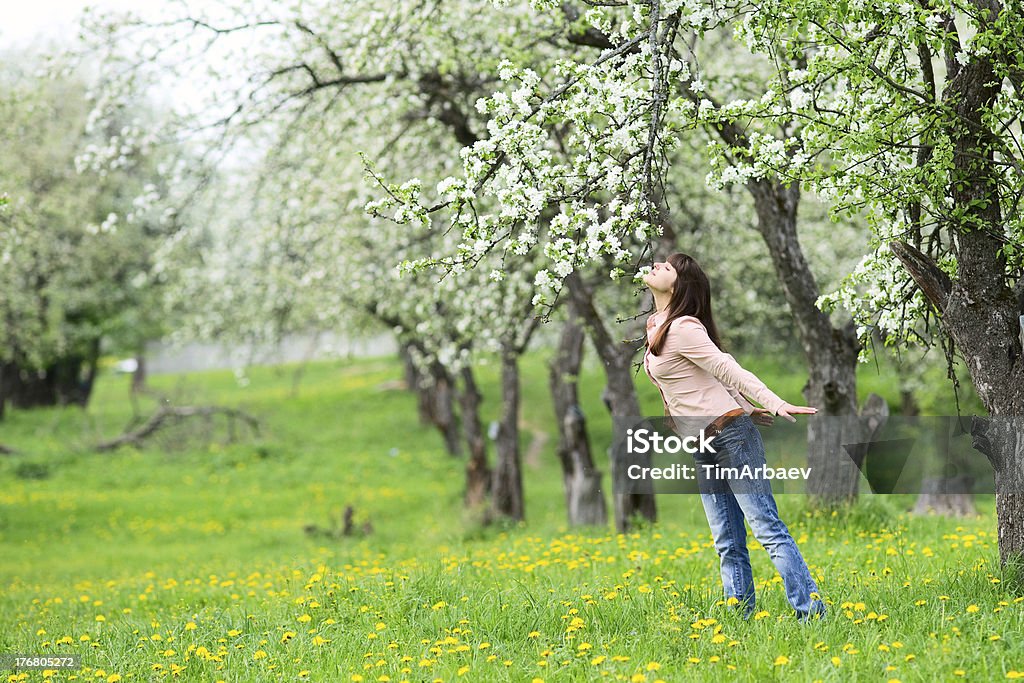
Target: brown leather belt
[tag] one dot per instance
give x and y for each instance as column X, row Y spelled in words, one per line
column 719, row 423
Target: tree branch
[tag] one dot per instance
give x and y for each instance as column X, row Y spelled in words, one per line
column 935, row 284
column 166, row 414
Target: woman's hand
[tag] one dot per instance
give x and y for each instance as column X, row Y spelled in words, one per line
column 788, row 410
column 762, row 416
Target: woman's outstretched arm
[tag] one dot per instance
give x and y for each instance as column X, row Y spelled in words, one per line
column 692, row 341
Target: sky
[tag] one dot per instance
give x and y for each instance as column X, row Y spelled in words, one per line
column 26, row 22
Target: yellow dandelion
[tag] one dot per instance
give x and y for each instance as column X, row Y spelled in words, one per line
column 259, row 654
column 971, row 609
column 781, row 660
column 190, row 626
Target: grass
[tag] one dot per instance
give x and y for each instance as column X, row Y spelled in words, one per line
column 188, row 560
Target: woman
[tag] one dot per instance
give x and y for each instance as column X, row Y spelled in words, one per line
column 697, row 379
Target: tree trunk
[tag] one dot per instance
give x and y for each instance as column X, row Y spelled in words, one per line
column 478, row 472
column 832, row 387
column 59, row 383
column 981, row 316
column 507, row 500
column 413, row 380
column 92, row 367
column 941, row 492
column 443, row 407
column 620, row 397
column 31, row 388
column 831, row 353
column 980, row 312
column 435, row 389
column 139, row 376
column 582, row 481
column 3, row 389
column 1002, row 440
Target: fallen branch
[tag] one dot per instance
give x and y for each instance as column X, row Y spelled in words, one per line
column 167, row 414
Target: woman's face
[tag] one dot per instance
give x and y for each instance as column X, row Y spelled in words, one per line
column 662, row 277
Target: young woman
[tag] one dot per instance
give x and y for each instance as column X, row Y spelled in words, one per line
column 698, row 380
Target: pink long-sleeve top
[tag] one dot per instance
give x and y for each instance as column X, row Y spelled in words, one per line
column 696, row 379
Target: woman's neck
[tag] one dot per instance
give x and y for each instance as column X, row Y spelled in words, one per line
column 661, row 301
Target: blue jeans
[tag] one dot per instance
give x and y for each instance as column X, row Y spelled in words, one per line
column 728, row 501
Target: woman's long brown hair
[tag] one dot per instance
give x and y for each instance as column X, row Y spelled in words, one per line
column 691, row 296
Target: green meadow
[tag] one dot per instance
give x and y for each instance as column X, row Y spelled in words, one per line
column 196, row 558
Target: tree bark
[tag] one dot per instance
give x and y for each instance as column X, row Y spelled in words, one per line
column 413, row 380
column 584, row 499
column 443, row 408
column 434, row 388
column 478, row 472
column 619, row 395
column 507, row 498
column 831, row 353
